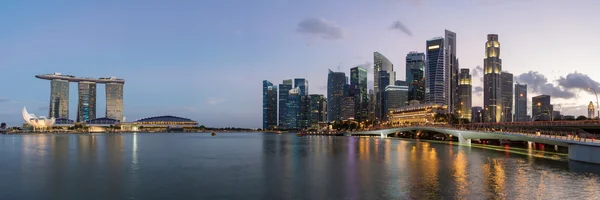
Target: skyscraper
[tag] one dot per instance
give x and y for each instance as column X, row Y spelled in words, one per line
column 464, row 94
column 303, row 85
column 385, row 80
column 114, row 101
column 304, row 118
column 492, row 86
column 541, row 109
column 381, row 63
column 59, row 99
column 318, row 110
column 86, row 108
column 336, row 82
column 451, row 69
column 477, row 114
column 293, row 108
column 394, row 98
column 347, row 111
column 591, row 110
column 521, row 103
column 284, row 90
column 436, row 78
column 507, row 96
column 358, row 85
column 269, row 105
column 415, row 67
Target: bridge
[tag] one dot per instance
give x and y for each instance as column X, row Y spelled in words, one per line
column 580, row 149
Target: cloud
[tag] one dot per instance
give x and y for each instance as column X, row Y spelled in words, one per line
column 214, row 101
column 478, row 90
column 320, row 28
column 368, row 66
column 539, row 84
column 478, row 71
column 399, row 26
column 579, row 81
column 2, row 100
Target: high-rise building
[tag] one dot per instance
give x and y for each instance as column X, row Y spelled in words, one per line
column 86, row 108
column 400, row 83
column 293, row 108
column 385, row 80
column 59, row 99
column 269, row 105
column 347, row 111
column 303, row 85
column 415, row 68
column 381, row 64
column 521, row 103
column 284, row 90
column 318, row 110
column 591, row 110
column 336, row 81
column 451, row 68
column 464, row 94
column 507, row 96
column 358, row 86
column 541, row 109
column 394, row 98
column 436, row 79
column 114, row 101
column 477, row 114
column 492, row 86
column 304, row 118
column 371, row 105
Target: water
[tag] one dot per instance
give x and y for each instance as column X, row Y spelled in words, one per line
column 267, row 166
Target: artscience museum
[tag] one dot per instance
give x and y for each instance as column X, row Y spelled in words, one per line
column 38, row 123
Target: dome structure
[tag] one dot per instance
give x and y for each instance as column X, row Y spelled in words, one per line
column 37, row 122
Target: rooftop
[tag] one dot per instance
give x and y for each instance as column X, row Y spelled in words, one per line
column 71, row 78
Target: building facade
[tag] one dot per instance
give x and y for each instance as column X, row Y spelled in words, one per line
column 336, row 81
column 293, row 109
column 284, row 90
column 541, row 109
column 303, row 85
column 347, row 111
column 507, row 96
column 416, row 114
column 358, row 87
column 381, row 64
column 464, row 94
column 269, row 105
column 477, row 114
column 521, row 103
column 59, row 99
column 451, row 69
column 492, row 88
column 436, row 81
column 318, row 110
column 385, row 80
column 395, row 97
column 114, row 101
column 591, row 112
column 415, row 68
column 86, row 108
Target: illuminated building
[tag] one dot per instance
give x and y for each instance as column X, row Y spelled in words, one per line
column 492, row 88
column 284, row 90
column 464, row 94
column 358, row 89
column 395, row 97
column 477, row 114
column 436, row 81
column 385, row 79
column 347, row 111
column 269, row 105
column 336, row 82
column 521, row 103
column 507, row 96
column 293, row 109
column 415, row 68
column 416, row 114
column 451, row 67
column 541, row 109
column 381, row 64
column 318, row 109
column 166, row 121
column 59, row 98
column 591, row 110
column 37, row 122
column 86, row 108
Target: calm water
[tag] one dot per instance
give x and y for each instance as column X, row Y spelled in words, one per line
column 266, row 166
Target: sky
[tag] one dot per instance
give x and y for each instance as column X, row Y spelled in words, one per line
column 206, row 59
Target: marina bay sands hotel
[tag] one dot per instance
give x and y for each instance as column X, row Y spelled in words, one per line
column 86, row 109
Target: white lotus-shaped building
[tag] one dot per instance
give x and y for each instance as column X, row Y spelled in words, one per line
column 37, row 122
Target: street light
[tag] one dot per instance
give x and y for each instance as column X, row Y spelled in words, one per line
column 597, row 105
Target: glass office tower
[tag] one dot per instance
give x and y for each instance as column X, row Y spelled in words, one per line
column 59, row 99
column 114, row 101
column 86, row 108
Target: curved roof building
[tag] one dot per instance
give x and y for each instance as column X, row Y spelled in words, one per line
column 37, row 122
column 166, row 121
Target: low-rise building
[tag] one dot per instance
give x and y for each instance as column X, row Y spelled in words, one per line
column 416, row 114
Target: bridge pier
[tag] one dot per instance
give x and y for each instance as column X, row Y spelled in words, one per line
column 584, row 153
column 462, row 140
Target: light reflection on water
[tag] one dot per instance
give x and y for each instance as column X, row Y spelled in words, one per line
column 266, row 166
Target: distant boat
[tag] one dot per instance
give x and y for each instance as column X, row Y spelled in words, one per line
column 213, row 134
column 300, row 134
column 278, row 133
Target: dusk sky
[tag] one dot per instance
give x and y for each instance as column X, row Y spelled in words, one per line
column 206, row 59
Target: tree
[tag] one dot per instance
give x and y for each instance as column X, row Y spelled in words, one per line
column 3, row 125
column 202, row 127
column 581, row 117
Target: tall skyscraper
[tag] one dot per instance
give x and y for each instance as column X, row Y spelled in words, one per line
column 507, row 96
column 358, row 84
column 477, row 114
column 385, row 80
column 114, row 101
column 303, row 85
column 591, row 110
column 284, row 90
column 86, row 108
column 521, row 103
column 347, row 111
column 59, row 99
column 269, row 105
column 436, row 78
column 336, row 81
column 394, row 98
column 492, row 85
column 293, row 108
column 371, row 105
column 415, row 68
column 381, row 64
column 318, row 110
column 451, row 69
column 464, row 94
column 541, row 109
column 304, row 118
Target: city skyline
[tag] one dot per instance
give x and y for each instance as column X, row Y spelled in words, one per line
column 299, row 46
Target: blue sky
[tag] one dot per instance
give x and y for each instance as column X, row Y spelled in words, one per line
column 206, row 59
